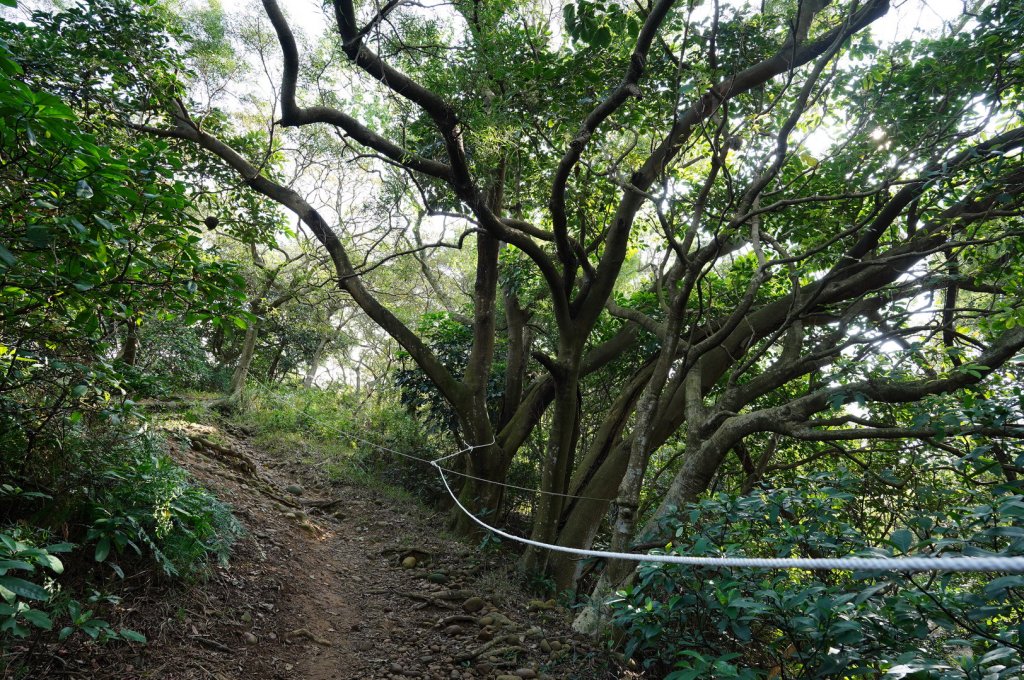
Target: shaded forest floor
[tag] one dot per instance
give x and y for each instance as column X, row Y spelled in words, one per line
column 321, row 586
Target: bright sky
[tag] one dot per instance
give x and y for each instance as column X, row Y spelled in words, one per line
column 904, row 19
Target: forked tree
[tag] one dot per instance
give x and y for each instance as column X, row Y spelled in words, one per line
column 717, row 227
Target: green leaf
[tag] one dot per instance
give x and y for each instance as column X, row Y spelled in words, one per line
column 38, row 234
column 102, row 549
column 6, row 565
column 998, row 587
column 902, row 539
column 7, row 257
column 51, row 561
column 60, row 547
column 106, row 224
column 24, row 588
column 83, row 190
column 134, row 636
column 38, row 619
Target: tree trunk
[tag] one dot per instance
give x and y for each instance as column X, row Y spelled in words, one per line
column 244, row 362
column 314, row 362
column 557, row 467
column 272, row 371
column 130, row 349
column 597, row 477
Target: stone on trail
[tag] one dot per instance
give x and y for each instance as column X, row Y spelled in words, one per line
column 472, row 605
column 294, row 489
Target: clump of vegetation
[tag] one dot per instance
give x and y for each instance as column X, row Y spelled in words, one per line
column 116, row 504
column 350, row 439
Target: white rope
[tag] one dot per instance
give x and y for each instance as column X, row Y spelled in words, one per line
column 472, row 447
column 527, row 488
column 937, row 563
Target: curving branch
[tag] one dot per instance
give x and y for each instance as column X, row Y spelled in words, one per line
column 789, row 57
column 615, row 99
column 185, row 129
column 292, row 115
column 401, row 84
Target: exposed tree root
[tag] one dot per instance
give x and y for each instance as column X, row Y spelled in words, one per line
column 424, row 599
column 212, row 644
column 511, row 642
column 456, row 618
column 304, row 633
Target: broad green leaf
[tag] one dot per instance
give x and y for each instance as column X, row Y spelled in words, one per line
column 902, row 539
column 7, row 257
column 38, row 619
column 102, row 549
column 134, row 636
column 23, row 588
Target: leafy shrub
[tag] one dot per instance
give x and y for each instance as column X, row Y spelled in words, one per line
column 346, row 432
column 691, row 623
column 114, row 490
column 30, row 564
column 143, row 502
column 19, row 562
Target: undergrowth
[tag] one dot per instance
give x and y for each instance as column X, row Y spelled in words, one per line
column 101, row 502
column 685, row 623
column 343, row 439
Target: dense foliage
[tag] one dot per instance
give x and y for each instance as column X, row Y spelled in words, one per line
column 720, row 623
column 97, row 242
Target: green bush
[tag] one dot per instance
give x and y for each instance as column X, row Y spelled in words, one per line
column 143, row 503
column 34, row 570
column 122, row 504
column 114, row 490
column 347, row 432
column 688, row 623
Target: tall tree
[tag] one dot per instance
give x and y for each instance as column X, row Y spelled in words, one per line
column 749, row 220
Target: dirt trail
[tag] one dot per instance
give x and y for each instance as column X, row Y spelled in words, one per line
column 321, row 593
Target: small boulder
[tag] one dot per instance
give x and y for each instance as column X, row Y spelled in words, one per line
column 294, row 489
column 473, row 605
